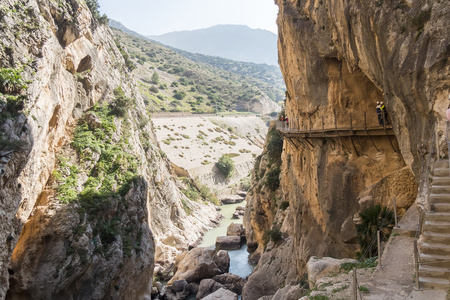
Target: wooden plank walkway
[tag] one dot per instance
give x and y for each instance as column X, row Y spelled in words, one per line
column 334, row 132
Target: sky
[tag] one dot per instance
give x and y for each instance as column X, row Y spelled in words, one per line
column 156, row 17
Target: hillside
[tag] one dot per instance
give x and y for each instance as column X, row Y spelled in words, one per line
column 171, row 82
column 236, row 42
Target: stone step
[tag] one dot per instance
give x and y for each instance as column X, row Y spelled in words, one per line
column 433, row 283
column 435, row 260
column 440, row 207
column 440, row 189
column 441, row 172
column 437, row 216
column 435, row 248
column 434, row 272
column 441, row 180
column 440, row 198
column 433, row 237
column 435, row 226
column 441, row 164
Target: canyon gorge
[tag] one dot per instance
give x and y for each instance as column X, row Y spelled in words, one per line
column 92, row 208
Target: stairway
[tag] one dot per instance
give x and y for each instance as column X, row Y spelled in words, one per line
column 434, row 270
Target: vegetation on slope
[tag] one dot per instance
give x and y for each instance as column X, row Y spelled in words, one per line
column 111, row 171
column 187, row 86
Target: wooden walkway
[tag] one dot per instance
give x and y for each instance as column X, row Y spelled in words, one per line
column 354, row 133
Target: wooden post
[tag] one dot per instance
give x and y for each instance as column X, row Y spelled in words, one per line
column 416, row 265
column 355, row 285
column 379, row 248
column 395, row 214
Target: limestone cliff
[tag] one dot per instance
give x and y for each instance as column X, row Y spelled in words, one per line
column 84, row 187
column 338, row 58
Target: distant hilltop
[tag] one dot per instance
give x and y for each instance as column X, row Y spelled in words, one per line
column 236, row 42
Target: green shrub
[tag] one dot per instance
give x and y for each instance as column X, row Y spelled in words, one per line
column 284, row 205
column 179, row 95
column 273, row 179
column 373, row 218
column 155, row 78
column 363, row 289
column 274, row 145
column 225, row 165
column 94, row 8
column 11, row 81
column 153, row 89
column 121, row 103
column 272, row 234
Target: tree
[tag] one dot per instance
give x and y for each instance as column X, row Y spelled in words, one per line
column 225, row 165
column 155, row 78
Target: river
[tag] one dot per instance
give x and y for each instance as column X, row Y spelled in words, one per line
column 239, row 264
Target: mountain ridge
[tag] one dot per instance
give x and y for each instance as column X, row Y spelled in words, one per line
column 236, row 42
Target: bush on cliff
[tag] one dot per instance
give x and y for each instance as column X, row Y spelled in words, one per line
column 273, row 179
column 94, row 8
column 274, row 145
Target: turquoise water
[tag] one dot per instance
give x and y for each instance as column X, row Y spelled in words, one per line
column 209, row 239
column 239, row 264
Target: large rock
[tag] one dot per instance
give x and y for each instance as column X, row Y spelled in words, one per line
column 221, row 294
column 232, row 199
column 319, row 267
column 236, row 229
column 228, row 242
column 289, row 292
column 231, row 282
column 200, row 263
column 178, row 290
column 206, row 287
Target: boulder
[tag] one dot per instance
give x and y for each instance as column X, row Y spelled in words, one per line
column 231, row 282
column 236, row 229
column 319, row 267
column 240, row 207
column 221, row 294
column 287, row 293
column 348, row 231
column 179, row 290
column 93, row 120
column 232, row 199
column 194, row 288
column 366, row 202
column 200, row 263
column 236, row 215
column 206, row 287
column 228, row 242
column 242, row 193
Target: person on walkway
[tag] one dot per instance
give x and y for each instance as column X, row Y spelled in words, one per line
column 384, row 114
column 380, row 119
column 287, row 123
column 448, row 109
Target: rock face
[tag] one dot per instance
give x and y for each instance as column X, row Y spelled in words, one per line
column 86, row 230
column 338, row 58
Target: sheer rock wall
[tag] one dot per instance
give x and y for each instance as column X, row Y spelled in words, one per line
column 48, row 250
column 339, row 58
